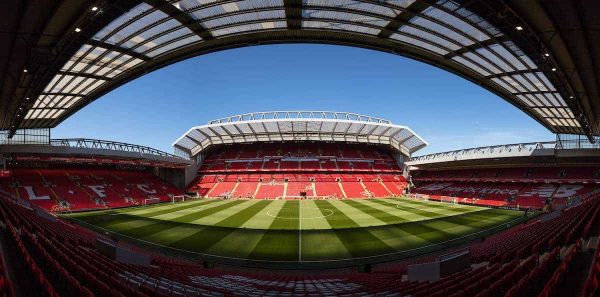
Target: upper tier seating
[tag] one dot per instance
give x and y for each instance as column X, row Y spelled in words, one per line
column 81, row 189
column 288, row 157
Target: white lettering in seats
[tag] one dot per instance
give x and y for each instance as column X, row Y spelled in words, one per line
column 33, row 196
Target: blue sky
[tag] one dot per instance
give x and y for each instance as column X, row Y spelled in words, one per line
column 448, row 111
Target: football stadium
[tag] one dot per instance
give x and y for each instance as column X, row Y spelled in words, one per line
column 298, row 202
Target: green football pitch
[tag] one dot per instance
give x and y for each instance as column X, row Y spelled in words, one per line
column 305, row 231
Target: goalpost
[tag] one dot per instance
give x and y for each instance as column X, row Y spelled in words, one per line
column 183, row 198
column 149, row 201
column 177, row 198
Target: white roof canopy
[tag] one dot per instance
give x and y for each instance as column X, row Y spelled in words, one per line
column 299, row 126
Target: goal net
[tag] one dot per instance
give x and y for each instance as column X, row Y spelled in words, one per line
column 150, row 201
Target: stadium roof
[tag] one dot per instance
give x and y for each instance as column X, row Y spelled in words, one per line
column 541, row 56
column 84, row 150
column 298, row 126
column 553, row 153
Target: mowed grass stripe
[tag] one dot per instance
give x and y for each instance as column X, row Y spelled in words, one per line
column 287, row 217
column 383, row 216
column 262, row 220
column 277, row 243
column 322, row 245
column 190, row 210
column 220, row 240
column 419, row 234
column 239, row 243
column 242, row 217
column 312, row 217
column 445, row 207
column 168, row 236
column 215, row 218
column 165, row 209
column 190, row 217
column 157, row 225
column 319, row 242
column 358, row 242
column 406, row 214
column 136, row 221
column 143, row 210
column 360, row 218
column 421, row 210
column 473, row 221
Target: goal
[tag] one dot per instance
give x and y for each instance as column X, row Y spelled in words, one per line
column 149, row 201
column 177, row 198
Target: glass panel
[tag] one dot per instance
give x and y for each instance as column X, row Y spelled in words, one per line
column 418, row 43
column 172, row 46
column 338, row 26
column 191, row 4
column 431, row 37
column 444, row 30
column 234, row 7
column 508, row 56
column 494, row 59
column 143, row 38
column 484, row 63
column 357, row 5
column 504, row 85
column 456, row 23
column 137, row 25
column 135, row 12
column 351, row 17
column 472, row 66
column 244, row 17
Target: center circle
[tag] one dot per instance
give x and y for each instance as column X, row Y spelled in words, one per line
column 328, row 212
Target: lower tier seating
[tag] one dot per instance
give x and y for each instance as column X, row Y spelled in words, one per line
column 81, row 189
column 504, row 194
column 528, row 260
column 270, row 186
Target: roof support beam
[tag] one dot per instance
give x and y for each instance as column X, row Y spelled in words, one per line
column 61, row 94
column 216, row 134
column 476, row 46
column 293, row 13
column 404, row 17
column 183, row 149
column 181, row 17
column 510, row 73
column 194, row 140
column 82, row 74
column 117, row 48
column 205, row 135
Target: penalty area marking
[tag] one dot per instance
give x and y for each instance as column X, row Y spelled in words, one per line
column 328, row 211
